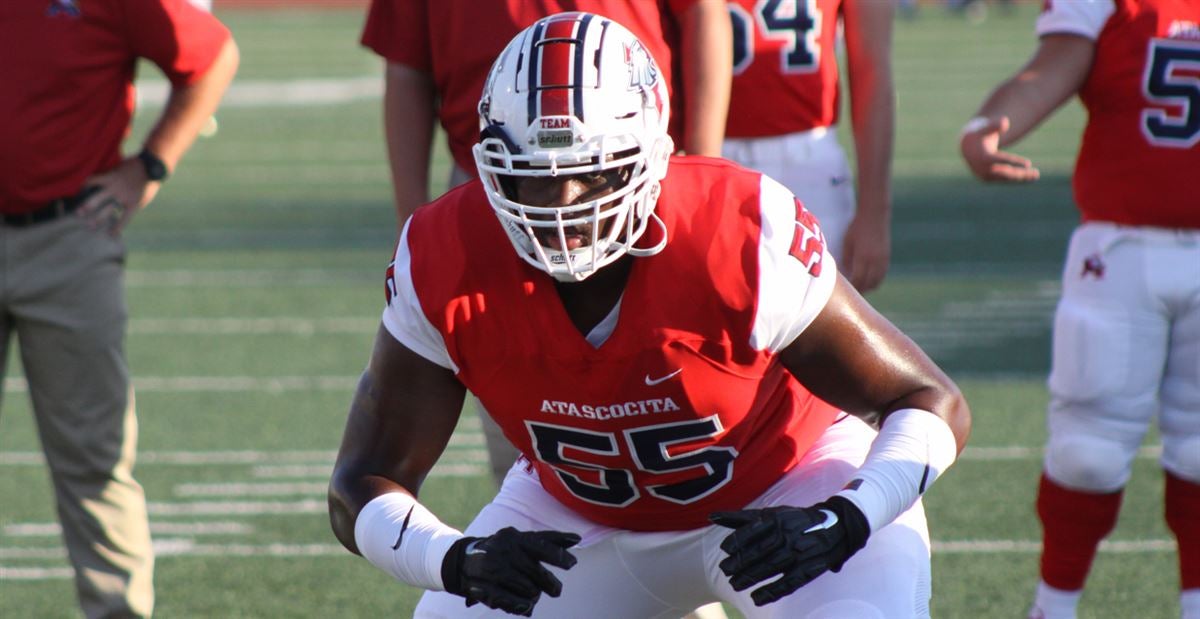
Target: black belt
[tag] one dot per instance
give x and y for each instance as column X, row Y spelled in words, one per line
column 50, row 211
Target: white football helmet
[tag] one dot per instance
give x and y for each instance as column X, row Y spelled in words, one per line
column 575, row 94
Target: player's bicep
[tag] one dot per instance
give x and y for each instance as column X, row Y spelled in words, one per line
column 855, row 359
column 796, row 272
column 403, row 413
column 1060, row 65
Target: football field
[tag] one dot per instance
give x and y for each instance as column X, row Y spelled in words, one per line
column 255, row 284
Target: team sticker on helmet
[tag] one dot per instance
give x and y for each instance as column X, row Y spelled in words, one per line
column 555, row 132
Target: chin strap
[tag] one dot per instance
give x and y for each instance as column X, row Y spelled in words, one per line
column 642, row 252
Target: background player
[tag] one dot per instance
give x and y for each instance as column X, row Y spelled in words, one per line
column 66, row 195
column 653, row 382
column 1127, row 329
column 784, row 110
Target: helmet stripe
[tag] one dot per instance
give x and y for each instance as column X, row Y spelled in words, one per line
column 534, row 69
column 556, row 67
column 580, row 64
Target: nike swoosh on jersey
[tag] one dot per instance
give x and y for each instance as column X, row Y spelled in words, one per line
column 650, row 382
column 830, row 521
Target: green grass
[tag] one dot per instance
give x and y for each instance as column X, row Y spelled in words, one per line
column 255, row 288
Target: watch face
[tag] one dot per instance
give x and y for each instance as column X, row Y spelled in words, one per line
column 156, row 170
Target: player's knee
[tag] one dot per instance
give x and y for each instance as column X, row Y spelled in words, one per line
column 1181, row 456
column 1089, row 463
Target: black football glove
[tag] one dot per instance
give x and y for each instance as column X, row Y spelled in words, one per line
column 800, row 543
column 504, row 570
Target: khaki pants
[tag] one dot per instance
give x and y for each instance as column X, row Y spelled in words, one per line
column 62, row 294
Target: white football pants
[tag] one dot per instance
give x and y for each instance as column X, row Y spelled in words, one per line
column 629, row 575
column 1126, row 347
column 812, row 165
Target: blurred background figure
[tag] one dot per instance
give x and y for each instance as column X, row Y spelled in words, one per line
column 1127, row 328
column 976, row 11
column 66, row 194
column 784, row 111
column 438, row 53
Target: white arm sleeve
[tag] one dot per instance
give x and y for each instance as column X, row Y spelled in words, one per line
column 403, row 317
column 791, row 293
column 1082, row 17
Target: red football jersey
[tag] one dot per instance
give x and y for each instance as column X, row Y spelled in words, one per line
column 685, row 408
column 1141, row 146
column 456, row 41
column 66, row 84
column 785, row 73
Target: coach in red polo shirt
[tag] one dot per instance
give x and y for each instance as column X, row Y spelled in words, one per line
column 66, row 193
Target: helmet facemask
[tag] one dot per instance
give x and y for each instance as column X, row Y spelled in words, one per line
column 619, row 154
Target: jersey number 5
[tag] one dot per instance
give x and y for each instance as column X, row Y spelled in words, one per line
column 650, row 447
column 1172, row 80
column 808, row 244
column 796, row 22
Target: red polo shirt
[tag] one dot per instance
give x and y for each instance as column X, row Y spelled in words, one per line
column 66, row 84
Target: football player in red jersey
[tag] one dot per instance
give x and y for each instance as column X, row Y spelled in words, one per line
column 1127, row 329
column 438, row 54
column 783, row 116
column 660, row 346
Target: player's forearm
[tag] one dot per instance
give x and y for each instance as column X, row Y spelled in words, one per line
column 408, row 117
column 707, row 72
column 1054, row 74
column 190, row 106
column 868, row 28
column 1023, row 100
column 372, row 461
column 873, row 111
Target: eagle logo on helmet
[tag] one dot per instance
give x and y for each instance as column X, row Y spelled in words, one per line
column 643, row 73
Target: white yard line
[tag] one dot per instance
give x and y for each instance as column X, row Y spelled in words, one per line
column 240, row 508
column 249, row 278
column 52, row 529
column 220, row 384
column 234, row 489
column 466, row 447
column 1032, row 546
column 35, row 573
column 280, row 93
column 184, row 548
column 286, row 471
column 250, row 326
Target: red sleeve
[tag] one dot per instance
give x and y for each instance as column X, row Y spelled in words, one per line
column 398, row 31
column 175, row 35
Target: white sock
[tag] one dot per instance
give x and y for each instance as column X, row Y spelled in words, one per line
column 1189, row 604
column 1054, row 603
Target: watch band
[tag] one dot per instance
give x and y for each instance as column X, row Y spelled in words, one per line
column 156, row 169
